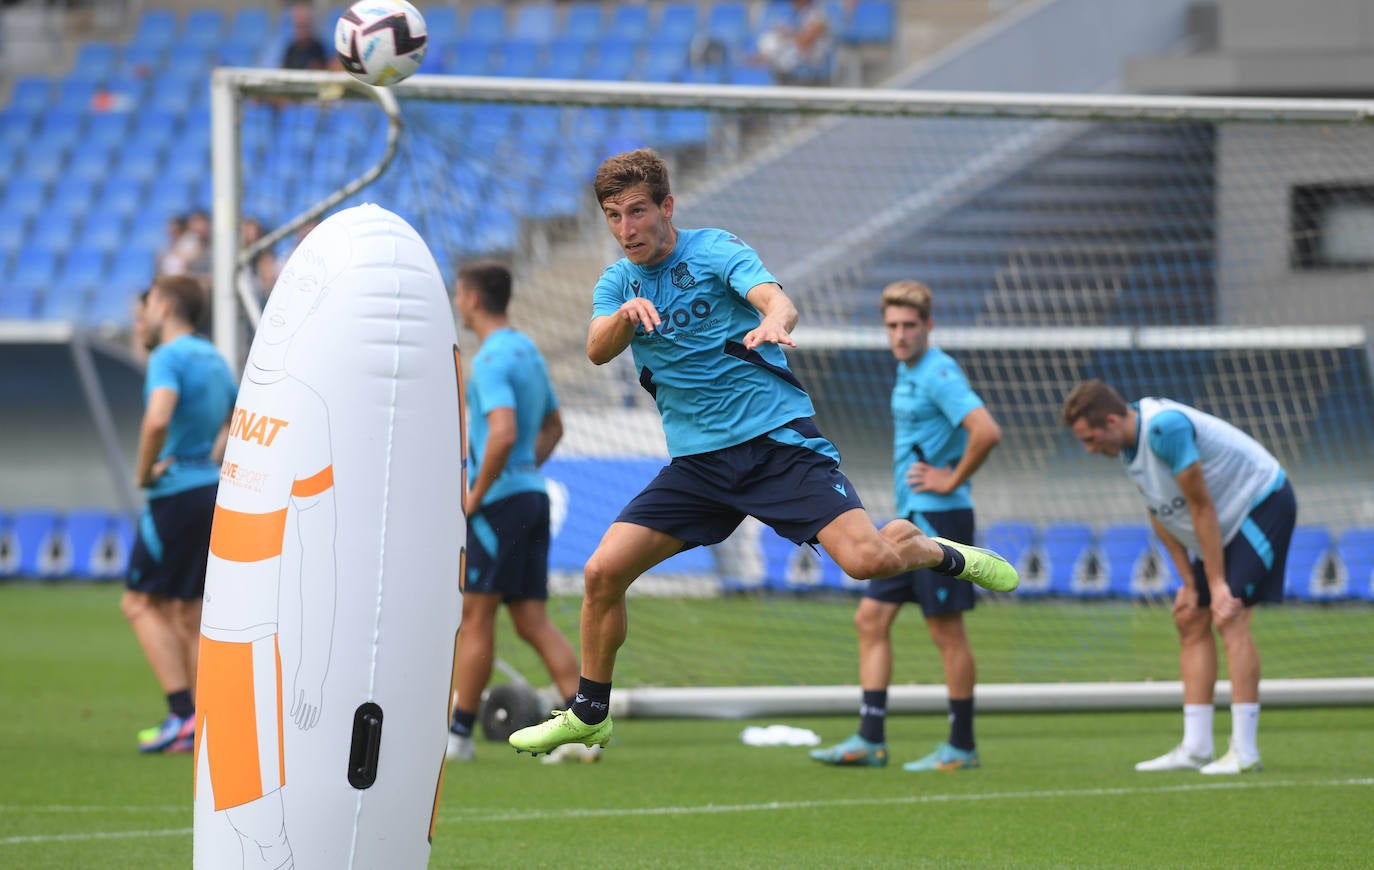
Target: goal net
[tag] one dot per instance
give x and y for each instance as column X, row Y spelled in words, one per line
column 1218, row 252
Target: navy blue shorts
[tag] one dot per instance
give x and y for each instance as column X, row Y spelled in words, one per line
column 508, row 548
column 1258, row 555
column 937, row 594
column 172, row 546
column 788, row 479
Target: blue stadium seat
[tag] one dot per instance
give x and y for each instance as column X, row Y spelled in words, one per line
column 33, row 266
column 679, row 128
column 66, row 300
column 584, row 21
column 535, row 22
column 107, row 129
column 14, row 231
column 469, row 57
column 38, row 544
column 95, row 61
column 31, row 94
column 18, row 126
column 629, row 22
column 565, row 59
column 105, row 226
column 871, row 22
column 728, row 21
column 26, row 195
column 204, row 28
column 1134, row 565
column 748, row 74
column 1355, row 547
column 441, row 23
column 677, row 22
column 83, row 267
column 190, row 63
column 154, row 129
column 141, row 59
column 130, row 273
column 516, row 59
column 1067, row 549
column 175, row 96
column 156, row 27
column 664, row 61
column 94, row 543
column 788, row 567
column 54, row 230
column 139, row 164
column 20, row 300
column 237, row 54
column 1016, row 542
column 74, row 192
column 60, row 128
column 612, row 60
column 487, row 22
column 250, row 25
column 1312, row 573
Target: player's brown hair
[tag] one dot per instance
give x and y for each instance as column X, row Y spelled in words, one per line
column 491, row 281
column 1092, row 400
column 623, row 171
column 185, row 294
column 908, row 294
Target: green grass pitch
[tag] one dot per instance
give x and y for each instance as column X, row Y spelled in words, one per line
column 1056, row 790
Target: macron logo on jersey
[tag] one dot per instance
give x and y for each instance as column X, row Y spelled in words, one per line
column 839, row 487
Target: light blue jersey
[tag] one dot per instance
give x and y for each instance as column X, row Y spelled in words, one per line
column 929, row 403
column 192, row 368
column 509, row 372
column 711, row 392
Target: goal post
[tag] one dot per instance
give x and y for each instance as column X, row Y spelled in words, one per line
column 1206, row 249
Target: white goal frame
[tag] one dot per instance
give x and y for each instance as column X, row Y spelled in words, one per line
column 231, row 301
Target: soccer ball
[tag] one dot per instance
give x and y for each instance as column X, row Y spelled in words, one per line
column 381, row 42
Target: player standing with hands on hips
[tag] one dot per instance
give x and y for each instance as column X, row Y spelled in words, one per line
column 706, row 323
column 942, row 435
column 1225, row 510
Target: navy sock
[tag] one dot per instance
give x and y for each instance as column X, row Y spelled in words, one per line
column 592, row 703
column 961, row 723
column 952, row 565
column 180, row 704
column 873, row 716
column 463, row 722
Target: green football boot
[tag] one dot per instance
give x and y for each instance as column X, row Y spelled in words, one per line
column 984, row 567
column 563, row 728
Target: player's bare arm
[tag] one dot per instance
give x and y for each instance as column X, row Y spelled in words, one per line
column 983, row 435
column 610, row 334
column 1208, row 529
column 495, row 452
column 779, row 317
column 1186, row 597
column 153, row 435
column 550, row 433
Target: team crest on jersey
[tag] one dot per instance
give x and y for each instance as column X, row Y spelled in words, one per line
column 634, row 286
column 682, row 279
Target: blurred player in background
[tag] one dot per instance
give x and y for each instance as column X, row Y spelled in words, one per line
column 942, row 436
column 706, row 323
column 1225, row 510
column 189, row 394
column 514, row 425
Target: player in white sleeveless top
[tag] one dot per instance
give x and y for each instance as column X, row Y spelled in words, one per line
column 1225, row 510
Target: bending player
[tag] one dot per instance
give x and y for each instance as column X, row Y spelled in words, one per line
column 705, row 322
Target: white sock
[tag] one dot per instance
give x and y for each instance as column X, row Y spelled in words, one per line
column 1197, row 730
column 1245, row 729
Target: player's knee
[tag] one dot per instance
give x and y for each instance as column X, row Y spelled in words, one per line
column 1193, row 625
column 135, row 605
column 602, row 581
column 868, row 560
column 869, row 623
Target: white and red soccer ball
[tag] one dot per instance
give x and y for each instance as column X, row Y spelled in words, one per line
column 381, row 42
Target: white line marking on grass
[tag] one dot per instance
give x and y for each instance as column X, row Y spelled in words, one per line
column 546, row 815
column 93, row 835
column 770, row 806
column 124, row 808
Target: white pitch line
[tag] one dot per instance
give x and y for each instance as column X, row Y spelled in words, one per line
column 770, row 806
column 93, row 835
